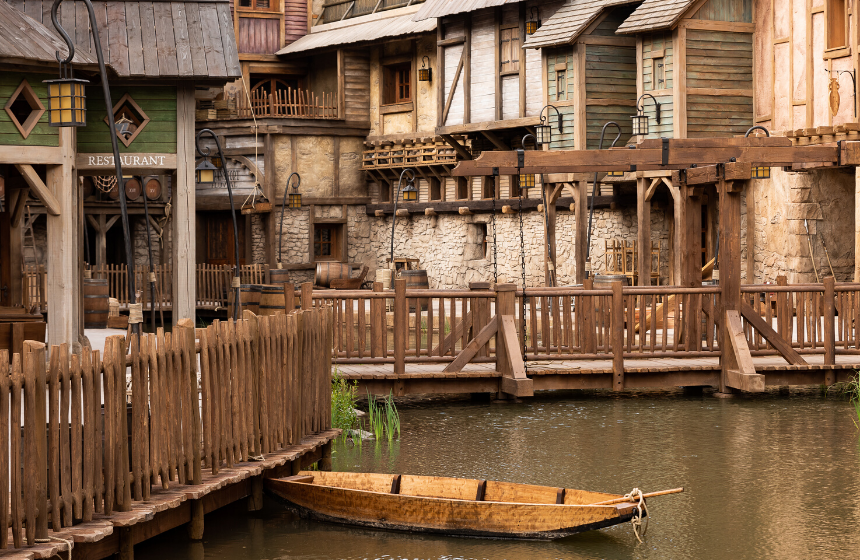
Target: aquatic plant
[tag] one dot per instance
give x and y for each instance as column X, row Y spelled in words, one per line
column 383, row 418
column 343, row 399
column 851, row 389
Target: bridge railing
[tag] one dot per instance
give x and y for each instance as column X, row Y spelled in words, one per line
column 150, row 411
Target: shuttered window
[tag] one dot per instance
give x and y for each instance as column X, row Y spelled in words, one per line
column 398, row 83
column 837, row 24
column 509, row 48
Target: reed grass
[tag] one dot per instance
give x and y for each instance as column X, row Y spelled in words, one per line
column 851, row 389
column 343, row 400
column 383, row 418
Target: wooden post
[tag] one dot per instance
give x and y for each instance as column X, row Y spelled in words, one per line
column 325, row 461
column 183, row 246
column 36, row 440
column 377, row 324
column 505, row 305
column 289, row 297
column 126, row 544
column 617, row 325
column 581, row 218
column 586, row 318
column 783, row 315
column 643, row 215
column 255, row 499
column 64, row 253
column 481, row 312
column 857, row 224
column 195, row 526
column 307, row 295
column 730, row 269
column 401, row 318
column 829, row 327
column 270, row 220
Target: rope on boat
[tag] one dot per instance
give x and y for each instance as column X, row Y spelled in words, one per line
column 639, row 528
column 69, row 544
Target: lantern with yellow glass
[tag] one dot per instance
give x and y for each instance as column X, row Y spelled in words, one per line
column 67, row 99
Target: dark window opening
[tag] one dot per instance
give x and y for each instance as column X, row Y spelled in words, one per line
column 397, row 86
column 488, row 188
column 327, row 242
column 21, row 109
column 435, row 189
column 254, row 4
column 462, row 188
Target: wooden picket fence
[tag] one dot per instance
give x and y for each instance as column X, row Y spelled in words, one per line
column 148, row 412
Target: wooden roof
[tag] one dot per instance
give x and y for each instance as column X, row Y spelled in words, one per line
column 442, row 8
column 23, row 39
column 153, row 39
column 655, row 14
column 569, row 22
column 394, row 23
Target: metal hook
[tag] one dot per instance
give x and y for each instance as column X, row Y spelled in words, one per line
column 427, row 58
column 65, row 35
column 759, row 127
column 603, row 130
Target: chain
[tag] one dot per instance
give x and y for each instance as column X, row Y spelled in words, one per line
column 523, row 262
column 495, row 254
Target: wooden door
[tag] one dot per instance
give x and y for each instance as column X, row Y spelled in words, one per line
column 220, row 240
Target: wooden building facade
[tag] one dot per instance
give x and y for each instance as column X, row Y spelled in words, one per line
column 157, row 53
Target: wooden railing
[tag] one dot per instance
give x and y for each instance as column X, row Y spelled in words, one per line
column 35, row 288
column 409, row 154
column 289, row 103
column 149, row 412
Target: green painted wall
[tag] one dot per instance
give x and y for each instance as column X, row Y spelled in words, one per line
column 725, row 10
column 561, row 56
column 42, row 134
column 610, row 73
column 159, row 136
column 651, row 43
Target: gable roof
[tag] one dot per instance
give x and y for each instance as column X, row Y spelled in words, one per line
column 442, row 8
column 396, row 23
column 154, row 39
column 569, row 22
column 655, row 14
column 23, row 39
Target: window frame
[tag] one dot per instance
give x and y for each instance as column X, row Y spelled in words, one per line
column 513, row 65
column 830, row 26
column 335, row 242
column 254, row 8
column 392, row 84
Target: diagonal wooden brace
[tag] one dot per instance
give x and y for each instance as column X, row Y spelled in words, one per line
column 780, row 345
column 744, row 377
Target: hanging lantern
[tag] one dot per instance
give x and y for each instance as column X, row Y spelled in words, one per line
column 410, row 193
column 543, row 133
column 425, row 74
column 615, row 174
column 532, row 21
column 760, row 172
column 640, row 119
column 67, row 100
column 526, row 181
column 295, row 198
column 205, row 172
column 543, row 130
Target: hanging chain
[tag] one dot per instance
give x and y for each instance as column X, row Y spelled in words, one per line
column 523, row 262
column 495, row 253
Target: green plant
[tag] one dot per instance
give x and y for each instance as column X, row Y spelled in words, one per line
column 343, row 399
column 383, row 417
column 851, row 389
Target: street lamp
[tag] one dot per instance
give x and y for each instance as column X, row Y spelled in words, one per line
column 759, row 171
column 543, row 131
column 204, row 173
column 204, row 153
column 532, row 21
column 67, row 107
column 425, row 73
column 525, row 181
column 410, row 187
column 593, row 190
column 295, row 199
column 640, row 119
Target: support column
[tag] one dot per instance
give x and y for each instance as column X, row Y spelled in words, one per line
column 581, row 218
column 183, row 251
column 643, row 215
column 64, row 248
column 680, row 230
column 730, row 267
column 857, row 224
column 270, row 220
column 195, row 526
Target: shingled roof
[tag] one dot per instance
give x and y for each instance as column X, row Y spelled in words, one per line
column 23, row 39
column 569, row 22
column 655, row 14
column 154, row 39
column 442, row 8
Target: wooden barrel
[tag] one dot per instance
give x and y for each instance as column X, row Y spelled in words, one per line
column 133, row 189
column 249, row 298
column 272, row 300
column 278, row 276
column 153, row 189
column 96, row 303
column 604, row 281
column 328, row 271
column 416, row 280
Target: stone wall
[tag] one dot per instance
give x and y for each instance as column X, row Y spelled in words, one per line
column 825, row 199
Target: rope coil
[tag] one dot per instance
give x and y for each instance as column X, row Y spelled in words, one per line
column 639, row 528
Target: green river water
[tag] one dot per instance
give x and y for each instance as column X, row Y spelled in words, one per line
column 767, row 476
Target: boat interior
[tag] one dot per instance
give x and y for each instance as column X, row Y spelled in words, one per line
column 452, row 488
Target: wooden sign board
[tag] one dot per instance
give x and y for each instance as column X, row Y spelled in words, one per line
column 103, row 163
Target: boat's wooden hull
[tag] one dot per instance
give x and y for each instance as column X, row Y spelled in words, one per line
column 449, row 516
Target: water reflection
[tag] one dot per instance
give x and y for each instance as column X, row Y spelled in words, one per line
column 765, row 476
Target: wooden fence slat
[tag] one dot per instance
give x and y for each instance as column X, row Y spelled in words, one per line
column 55, row 385
column 99, row 431
column 72, row 371
column 89, row 435
column 16, row 485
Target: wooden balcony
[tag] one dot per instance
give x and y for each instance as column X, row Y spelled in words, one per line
column 408, row 153
column 281, row 104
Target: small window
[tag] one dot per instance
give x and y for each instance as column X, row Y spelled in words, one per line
column 129, row 120
column 255, row 4
column 560, row 83
column 837, row 24
column 488, row 188
column 435, row 188
column 398, row 83
column 485, row 240
column 659, row 72
column 24, row 109
column 327, row 239
column 462, row 188
column 509, row 47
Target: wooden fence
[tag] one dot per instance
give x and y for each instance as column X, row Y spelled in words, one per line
column 148, row 412
column 289, row 103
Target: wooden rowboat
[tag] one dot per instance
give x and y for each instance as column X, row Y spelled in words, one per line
column 452, row 506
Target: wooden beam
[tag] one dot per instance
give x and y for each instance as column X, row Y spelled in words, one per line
column 471, row 350
column 581, row 224
column 32, row 155
column 651, row 188
column 496, row 141
column 643, row 213
column 768, row 333
column 183, row 247
column 461, row 151
column 39, row 188
column 453, row 88
column 743, row 375
column 20, row 206
column 512, row 347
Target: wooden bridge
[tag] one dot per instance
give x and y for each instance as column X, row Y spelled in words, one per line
column 157, row 430
column 442, row 341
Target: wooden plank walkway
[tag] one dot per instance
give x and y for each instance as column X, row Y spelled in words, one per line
column 147, row 519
